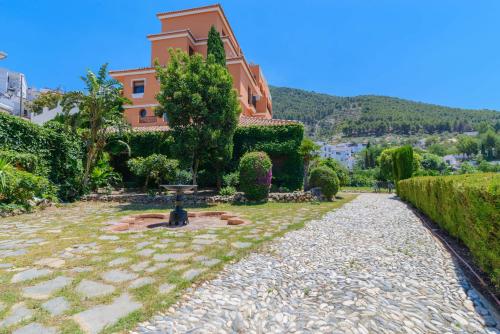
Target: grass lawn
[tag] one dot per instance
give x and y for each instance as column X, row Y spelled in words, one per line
column 72, row 244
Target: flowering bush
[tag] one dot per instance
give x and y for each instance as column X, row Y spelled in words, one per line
column 255, row 175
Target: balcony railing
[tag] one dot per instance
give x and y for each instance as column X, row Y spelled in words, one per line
column 148, row 119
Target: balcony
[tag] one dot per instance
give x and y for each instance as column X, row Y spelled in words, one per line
column 148, row 119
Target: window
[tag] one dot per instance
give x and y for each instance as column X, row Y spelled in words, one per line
column 249, row 92
column 165, row 117
column 191, row 51
column 143, row 113
column 138, row 87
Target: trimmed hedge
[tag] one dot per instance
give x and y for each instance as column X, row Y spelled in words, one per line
column 326, row 179
column 63, row 151
column 467, row 206
column 255, row 175
column 281, row 143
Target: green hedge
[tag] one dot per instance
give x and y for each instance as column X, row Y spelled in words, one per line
column 61, row 150
column 281, row 143
column 255, row 175
column 467, row 206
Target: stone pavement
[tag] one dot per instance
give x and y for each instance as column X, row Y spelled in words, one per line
column 368, row 267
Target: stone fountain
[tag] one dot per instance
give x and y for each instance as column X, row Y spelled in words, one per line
column 179, row 216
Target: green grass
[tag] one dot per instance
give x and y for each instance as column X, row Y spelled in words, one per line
column 82, row 223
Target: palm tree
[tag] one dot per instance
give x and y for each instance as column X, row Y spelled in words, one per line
column 100, row 109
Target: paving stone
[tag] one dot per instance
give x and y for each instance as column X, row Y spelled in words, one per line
column 210, row 263
column 93, row 320
column 192, row 273
column 80, row 269
column 140, row 282
column 30, row 274
column 120, row 250
column 143, row 244
column 140, row 266
column 180, row 267
column 166, row 288
column 146, row 252
column 51, row 262
column 240, row 244
column 91, row 289
column 204, row 241
column 109, row 237
column 45, row 289
column 156, row 267
column 180, row 244
column 35, row 328
column 14, row 253
column 118, row 276
column 118, row 261
column 56, row 306
column 173, row 256
column 6, row 265
column 18, row 313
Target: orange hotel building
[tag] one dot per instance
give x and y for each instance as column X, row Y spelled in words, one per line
column 188, row 30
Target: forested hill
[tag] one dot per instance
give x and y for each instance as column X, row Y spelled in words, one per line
column 368, row 115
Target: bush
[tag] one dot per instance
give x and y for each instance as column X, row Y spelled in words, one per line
column 467, row 207
column 231, row 180
column 157, row 167
column 61, row 150
column 338, row 168
column 25, row 161
column 183, row 177
column 103, row 175
column 19, row 187
column 227, row 191
column 326, row 179
column 402, row 163
column 255, row 175
column 281, row 143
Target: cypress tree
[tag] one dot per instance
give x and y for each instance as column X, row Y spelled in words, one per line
column 215, row 46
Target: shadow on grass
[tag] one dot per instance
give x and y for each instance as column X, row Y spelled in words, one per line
column 160, row 206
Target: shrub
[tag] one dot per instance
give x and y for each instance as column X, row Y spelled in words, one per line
column 183, row 177
column 338, row 168
column 227, row 191
column 103, row 175
column 326, row 179
column 157, row 167
column 231, row 179
column 281, row 143
column 467, row 207
column 19, row 187
column 61, row 150
column 26, row 161
column 255, row 175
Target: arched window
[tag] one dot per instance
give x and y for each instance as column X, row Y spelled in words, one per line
column 143, row 113
column 165, row 117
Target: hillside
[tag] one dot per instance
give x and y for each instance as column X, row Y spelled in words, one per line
column 368, row 115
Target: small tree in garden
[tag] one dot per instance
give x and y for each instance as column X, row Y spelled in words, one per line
column 386, row 165
column 215, row 46
column 402, row 162
column 339, row 169
column 309, row 152
column 202, row 108
column 326, row 179
column 255, row 175
column 156, row 167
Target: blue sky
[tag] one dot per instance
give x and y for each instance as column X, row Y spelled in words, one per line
column 438, row 51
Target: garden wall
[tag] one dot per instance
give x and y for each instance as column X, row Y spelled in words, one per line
column 467, row 206
column 61, row 150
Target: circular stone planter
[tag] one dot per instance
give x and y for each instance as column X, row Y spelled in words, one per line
column 197, row 220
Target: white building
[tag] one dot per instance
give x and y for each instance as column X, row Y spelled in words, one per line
column 12, row 85
column 344, row 152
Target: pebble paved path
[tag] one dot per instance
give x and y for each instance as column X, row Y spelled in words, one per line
column 369, row 267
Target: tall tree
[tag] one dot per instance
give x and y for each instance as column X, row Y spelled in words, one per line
column 100, row 107
column 202, row 108
column 215, row 46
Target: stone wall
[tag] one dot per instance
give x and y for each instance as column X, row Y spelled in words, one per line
column 139, row 198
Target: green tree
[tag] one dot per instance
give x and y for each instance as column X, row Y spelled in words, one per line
column 467, row 145
column 490, row 142
column 100, row 107
column 309, row 151
column 215, row 46
column 385, row 163
column 339, row 169
column 202, row 108
column 326, row 179
column 402, row 162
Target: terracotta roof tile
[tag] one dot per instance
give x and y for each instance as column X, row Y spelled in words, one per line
column 249, row 121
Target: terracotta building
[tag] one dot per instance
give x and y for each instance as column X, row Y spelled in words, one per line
column 188, row 30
